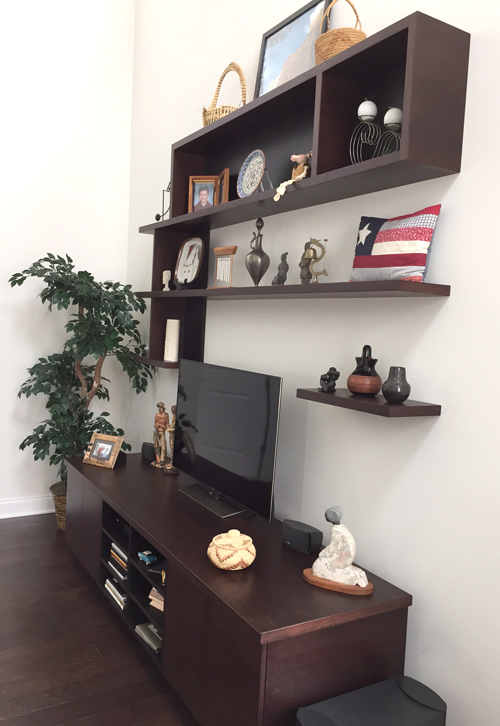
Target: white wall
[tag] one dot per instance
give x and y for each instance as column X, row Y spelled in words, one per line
column 64, row 177
column 421, row 496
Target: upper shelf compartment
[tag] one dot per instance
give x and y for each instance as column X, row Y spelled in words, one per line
column 418, row 63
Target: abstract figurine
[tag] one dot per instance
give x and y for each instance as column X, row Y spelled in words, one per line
column 305, row 262
column 283, row 268
column 328, row 380
column 165, row 278
column 316, row 259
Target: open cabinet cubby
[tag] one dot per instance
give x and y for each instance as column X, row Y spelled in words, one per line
column 418, row 64
column 135, row 584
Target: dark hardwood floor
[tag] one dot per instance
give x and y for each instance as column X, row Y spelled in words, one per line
column 64, row 657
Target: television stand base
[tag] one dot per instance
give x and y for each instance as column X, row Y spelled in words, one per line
column 212, row 500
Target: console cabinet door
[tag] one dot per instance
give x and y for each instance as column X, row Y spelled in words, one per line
column 84, row 523
column 211, row 657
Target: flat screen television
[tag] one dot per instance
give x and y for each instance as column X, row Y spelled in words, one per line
column 225, row 437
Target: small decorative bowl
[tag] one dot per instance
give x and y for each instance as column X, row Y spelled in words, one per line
column 231, row 551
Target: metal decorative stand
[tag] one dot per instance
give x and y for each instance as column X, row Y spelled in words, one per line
column 159, row 217
column 368, row 133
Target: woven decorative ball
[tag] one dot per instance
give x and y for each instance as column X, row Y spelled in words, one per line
column 231, row 551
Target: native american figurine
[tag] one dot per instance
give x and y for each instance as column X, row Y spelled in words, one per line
column 170, row 468
column 335, row 561
column 160, row 425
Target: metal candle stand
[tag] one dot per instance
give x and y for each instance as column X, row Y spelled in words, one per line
column 369, row 133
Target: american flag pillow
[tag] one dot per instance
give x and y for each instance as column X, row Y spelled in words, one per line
column 395, row 249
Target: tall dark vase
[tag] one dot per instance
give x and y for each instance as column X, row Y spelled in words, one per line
column 396, row 389
column 257, row 261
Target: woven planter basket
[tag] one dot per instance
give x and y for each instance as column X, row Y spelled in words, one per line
column 59, row 499
column 214, row 112
column 334, row 41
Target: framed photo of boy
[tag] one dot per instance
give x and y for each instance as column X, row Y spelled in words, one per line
column 103, row 450
column 203, row 192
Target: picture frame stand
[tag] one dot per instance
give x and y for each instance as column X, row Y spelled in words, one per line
column 267, row 177
column 224, row 258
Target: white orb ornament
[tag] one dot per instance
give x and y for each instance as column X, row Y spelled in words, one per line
column 367, row 111
column 393, row 119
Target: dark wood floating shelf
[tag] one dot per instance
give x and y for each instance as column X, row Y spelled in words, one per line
column 156, row 363
column 375, row 404
column 384, row 288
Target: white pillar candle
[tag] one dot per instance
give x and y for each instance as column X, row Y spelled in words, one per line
column 367, row 111
column 393, row 119
column 171, row 353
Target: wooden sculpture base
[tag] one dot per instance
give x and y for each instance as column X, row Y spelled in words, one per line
column 337, row 586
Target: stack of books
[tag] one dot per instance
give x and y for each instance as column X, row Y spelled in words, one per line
column 118, row 597
column 156, row 599
column 150, row 634
column 118, row 562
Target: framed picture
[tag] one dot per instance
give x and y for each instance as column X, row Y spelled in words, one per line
column 223, row 194
column 189, row 260
column 203, row 192
column 103, row 450
column 288, row 49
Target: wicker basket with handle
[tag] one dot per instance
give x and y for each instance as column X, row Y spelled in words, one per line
column 214, row 112
column 334, row 41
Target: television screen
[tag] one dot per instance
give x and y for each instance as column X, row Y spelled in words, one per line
column 227, row 426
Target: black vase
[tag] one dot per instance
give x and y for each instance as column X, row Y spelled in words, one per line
column 396, row 389
column 257, row 261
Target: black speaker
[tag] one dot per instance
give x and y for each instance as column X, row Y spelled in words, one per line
column 148, row 451
column 301, row 537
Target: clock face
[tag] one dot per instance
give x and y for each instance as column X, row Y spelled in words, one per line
column 251, row 173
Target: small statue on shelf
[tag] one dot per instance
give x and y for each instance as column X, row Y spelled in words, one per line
column 283, row 268
column 301, row 170
column 305, row 263
column 170, row 468
column 364, row 379
column 165, row 278
column 159, row 443
column 328, row 380
column 333, row 569
column 316, row 259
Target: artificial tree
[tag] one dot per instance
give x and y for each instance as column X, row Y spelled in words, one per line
column 102, row 326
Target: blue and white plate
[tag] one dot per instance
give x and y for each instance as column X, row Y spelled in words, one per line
column 251, row 173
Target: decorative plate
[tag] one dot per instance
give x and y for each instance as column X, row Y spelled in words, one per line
column 251, row 173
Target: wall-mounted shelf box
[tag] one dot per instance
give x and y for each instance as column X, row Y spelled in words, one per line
column 419, row 64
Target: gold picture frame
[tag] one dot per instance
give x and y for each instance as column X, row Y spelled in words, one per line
column 103, row 450
column 203, row 193
column 223, row 192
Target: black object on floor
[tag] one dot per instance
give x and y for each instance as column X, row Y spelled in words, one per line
column 400, row 701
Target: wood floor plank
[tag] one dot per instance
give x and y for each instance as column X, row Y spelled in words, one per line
column 65, row 656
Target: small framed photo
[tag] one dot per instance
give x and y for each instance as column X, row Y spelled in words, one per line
column 288, row 49
column 189, row 260
column 203, row 192
column 103, row 450
column 223, row 195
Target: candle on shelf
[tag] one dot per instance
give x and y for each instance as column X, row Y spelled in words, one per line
column 393, row 119
column 367, row 111
column 171, row 354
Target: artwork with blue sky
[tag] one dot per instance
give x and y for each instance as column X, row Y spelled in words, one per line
column 290, row 51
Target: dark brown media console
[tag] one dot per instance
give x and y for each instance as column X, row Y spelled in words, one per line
column 240, row 648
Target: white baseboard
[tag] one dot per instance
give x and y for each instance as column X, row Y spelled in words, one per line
column 25, row 507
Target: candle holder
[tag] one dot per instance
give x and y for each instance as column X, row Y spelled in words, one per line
column 390, row 140
column 368, row 134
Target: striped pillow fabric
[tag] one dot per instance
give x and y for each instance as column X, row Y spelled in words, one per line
column 395, row 249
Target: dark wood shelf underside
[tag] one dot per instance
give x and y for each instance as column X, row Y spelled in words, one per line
column 384, row 288
column 376, row 405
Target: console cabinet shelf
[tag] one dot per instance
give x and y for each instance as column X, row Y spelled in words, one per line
column 418, row 64
column 247, row 647
column 377, row 405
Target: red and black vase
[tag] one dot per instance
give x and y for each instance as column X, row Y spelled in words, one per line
column 364, row 379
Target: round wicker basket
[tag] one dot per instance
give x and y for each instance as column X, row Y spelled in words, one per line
column 214, row 112
column 59, row 498
column 334, row 41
